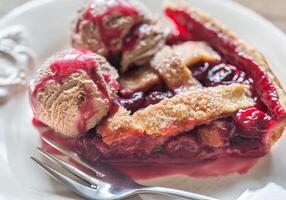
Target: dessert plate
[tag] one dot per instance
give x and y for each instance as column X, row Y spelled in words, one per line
column 48, row 23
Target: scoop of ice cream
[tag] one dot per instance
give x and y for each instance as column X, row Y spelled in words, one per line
column 115, row 27
column 102, row 25
column 73, row 90
column 143, row 43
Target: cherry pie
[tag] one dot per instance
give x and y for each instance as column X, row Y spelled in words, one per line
column 200, row 94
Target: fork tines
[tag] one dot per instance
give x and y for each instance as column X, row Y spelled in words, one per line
column 90, row 183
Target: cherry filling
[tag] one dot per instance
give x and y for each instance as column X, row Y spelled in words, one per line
column 134, row 102
column 188, row 147
column 252, row 122
column 220, row 74
column 138, row 100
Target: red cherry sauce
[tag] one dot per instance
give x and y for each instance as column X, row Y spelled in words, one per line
column 109, row 34
column 69, row 62
column 138, row 100
column 190, row 26
column 212, row 74
column 37, row 123
column 252, row 122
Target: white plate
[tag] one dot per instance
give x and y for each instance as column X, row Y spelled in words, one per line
column 49, row 25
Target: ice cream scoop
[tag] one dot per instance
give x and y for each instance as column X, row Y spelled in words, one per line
column 141, row 45
column 73, row 90
column 113, row 28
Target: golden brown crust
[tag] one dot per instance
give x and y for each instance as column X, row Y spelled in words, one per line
column 118, row 126
column 171, row 69
column 139, row 79
column 248, row 50
column 187, row 110
column 192, row 52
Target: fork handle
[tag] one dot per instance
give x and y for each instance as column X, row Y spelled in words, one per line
column 172, row 192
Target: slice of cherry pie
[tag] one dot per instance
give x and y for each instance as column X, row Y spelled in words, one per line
column 196, row 94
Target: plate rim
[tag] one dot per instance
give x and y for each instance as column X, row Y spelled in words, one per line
column 4, row 21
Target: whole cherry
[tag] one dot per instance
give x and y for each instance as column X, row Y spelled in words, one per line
column 251, row 121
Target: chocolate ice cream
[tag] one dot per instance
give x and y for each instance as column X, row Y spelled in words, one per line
column 73, row 91
column 144, row 42
column 121, row 29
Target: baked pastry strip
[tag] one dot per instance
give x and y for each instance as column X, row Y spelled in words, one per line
column 187, row 110
column 119, row 126
column 141, row 79
column 192, row 52
column 171, row 69
column 178, row 114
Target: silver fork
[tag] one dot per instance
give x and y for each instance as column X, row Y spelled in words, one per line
column 101, row 182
